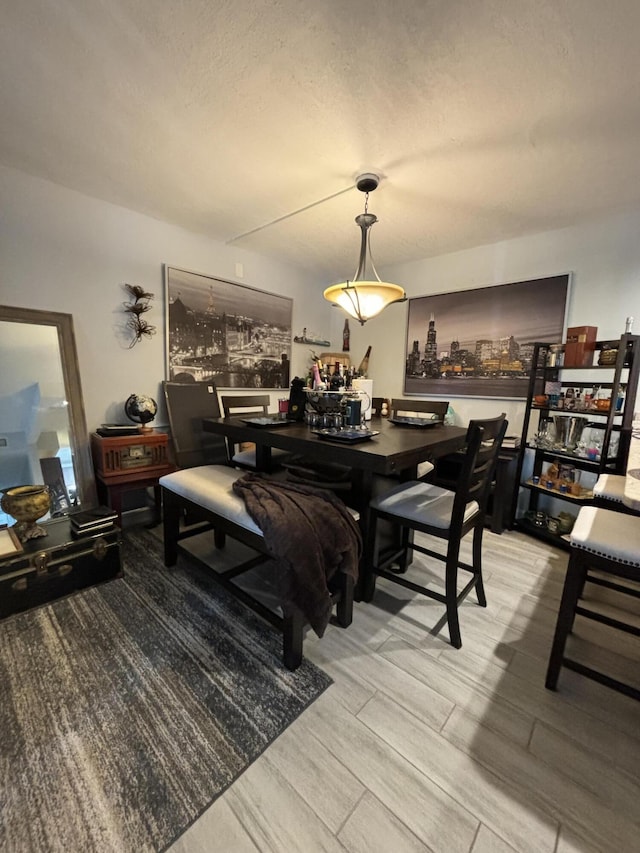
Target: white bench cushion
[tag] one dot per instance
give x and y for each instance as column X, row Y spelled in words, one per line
column 211, row 487
column 422, row 502
column 608, row 533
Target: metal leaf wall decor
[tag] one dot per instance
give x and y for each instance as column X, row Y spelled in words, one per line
column 139, row 306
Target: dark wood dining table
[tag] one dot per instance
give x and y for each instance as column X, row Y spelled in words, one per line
column 395, row 451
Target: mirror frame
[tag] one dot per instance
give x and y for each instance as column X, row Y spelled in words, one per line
column 78, row 434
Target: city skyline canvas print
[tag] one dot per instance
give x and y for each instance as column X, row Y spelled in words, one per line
column 230, row 334
column 480, row 342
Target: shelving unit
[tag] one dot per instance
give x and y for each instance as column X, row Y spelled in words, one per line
column 613, row 423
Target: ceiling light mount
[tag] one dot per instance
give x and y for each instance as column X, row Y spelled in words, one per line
column 365, row 296
column 368, row 182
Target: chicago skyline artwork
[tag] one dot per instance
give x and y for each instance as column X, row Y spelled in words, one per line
column 479, row 342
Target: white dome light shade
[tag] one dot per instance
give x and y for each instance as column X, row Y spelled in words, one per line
column 364, row 299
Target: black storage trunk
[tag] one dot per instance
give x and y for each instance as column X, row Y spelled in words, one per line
column 56, row 565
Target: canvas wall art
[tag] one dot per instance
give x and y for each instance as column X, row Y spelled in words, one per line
column 227, row 333
column 480, row 342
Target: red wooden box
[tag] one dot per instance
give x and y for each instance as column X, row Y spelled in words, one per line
column 580, row 346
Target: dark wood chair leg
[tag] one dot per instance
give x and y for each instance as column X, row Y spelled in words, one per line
column 171, row 527
column 573, row 586
column 451, row 593
column 219, row 539
column 157, row 505
column 477, row 564
column 292, row 634
column 406, row 539
column 344, row 610
column 370, row 559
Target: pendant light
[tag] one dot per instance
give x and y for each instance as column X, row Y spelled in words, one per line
column 366, row 296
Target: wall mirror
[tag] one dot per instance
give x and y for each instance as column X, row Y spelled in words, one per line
column 43, row 430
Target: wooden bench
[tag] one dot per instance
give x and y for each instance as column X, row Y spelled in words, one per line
column 206, row 493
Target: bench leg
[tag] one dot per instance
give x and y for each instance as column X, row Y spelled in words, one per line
column 344, row 610
column 292, row 630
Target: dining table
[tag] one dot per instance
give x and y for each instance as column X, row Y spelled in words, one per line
column 390, row 454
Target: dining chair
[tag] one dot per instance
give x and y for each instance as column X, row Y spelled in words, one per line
column 603, row 542
column 418, row 506
column 248, row 405
column 436, row 409
column 187, row 404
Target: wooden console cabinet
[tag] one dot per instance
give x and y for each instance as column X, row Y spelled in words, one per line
column 127, row 462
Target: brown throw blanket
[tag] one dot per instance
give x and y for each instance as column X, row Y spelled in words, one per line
column 310, row 532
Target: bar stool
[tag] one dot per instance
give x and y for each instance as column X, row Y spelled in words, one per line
column 608, row 491
column 608, row 542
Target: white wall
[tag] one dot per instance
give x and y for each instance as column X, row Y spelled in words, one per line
column 604, row 258
column 62, row 251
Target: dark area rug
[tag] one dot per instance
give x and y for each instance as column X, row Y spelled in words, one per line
column 129, row 707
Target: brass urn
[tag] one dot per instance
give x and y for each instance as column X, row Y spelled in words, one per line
column 26, row 504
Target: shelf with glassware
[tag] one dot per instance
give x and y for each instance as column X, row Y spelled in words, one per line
column 583, row 429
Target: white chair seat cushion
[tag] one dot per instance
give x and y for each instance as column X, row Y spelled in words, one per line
column 422, row 502
column 248, row 457
column 610, row 486
column 211, row 487
column 608, row 533
column 424, row 468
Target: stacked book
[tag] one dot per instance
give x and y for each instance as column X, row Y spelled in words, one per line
column 89, row 522
column 511, row 441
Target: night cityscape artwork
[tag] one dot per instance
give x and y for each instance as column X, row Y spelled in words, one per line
column 230, row 334
column 480, row 342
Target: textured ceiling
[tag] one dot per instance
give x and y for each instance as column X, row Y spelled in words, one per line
column 487, row 119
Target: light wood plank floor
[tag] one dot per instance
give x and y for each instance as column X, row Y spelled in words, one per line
column 421, row 747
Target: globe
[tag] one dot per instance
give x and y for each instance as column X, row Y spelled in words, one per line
column 140, row 409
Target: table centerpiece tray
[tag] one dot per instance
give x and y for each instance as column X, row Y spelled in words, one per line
column 420, row 423
column 267, row 422
column 348, row 436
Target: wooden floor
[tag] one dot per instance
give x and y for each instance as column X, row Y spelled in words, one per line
column 418, row 746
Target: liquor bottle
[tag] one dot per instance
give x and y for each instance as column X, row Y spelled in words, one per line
column 364, row 364
column 628, row 327
column 348, row 379
column 346, row 336
column 337, row 379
